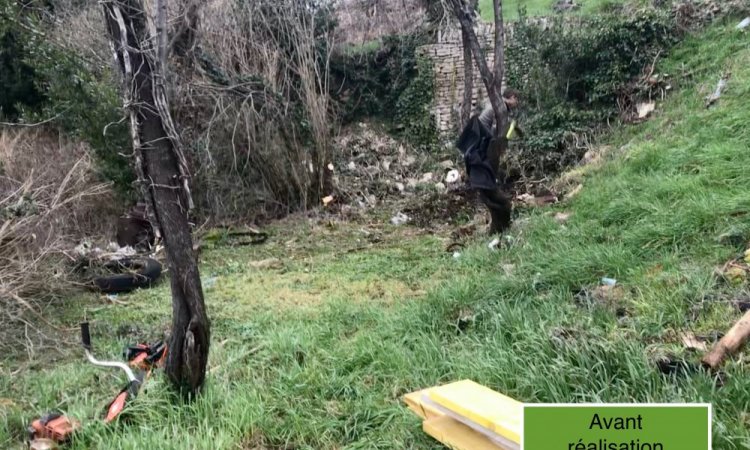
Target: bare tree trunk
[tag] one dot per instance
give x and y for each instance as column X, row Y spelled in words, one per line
column 184, row 36
column 468, row 80
column 468, row 74
column 161, row 167
column 499, row 69
column 491, row 82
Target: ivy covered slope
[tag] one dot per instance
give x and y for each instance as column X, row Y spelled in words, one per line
column 317, row 355
column 388, row 82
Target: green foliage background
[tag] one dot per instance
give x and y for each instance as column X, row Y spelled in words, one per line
column 572, row 74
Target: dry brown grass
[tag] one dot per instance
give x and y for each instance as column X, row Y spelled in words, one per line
column 262, row 139
column 49, row 200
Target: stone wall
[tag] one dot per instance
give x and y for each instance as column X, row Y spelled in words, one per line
column 447, row 56
column 448, row 63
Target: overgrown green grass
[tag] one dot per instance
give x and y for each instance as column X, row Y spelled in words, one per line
column 539, row 7
column 316, row 354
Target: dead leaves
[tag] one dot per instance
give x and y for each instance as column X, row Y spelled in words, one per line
column 734, row 272
column 691, row 342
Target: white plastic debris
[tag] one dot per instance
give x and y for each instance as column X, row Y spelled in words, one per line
column 645, row 109
column 351, row 165
column 122, row 252
column 713, row 98
column 83, row 249
column 609, row 281
column 744, row 24
column 452, row 176
column 400, row 187
column 456, row 255
column 399, row 219
column 493, row 244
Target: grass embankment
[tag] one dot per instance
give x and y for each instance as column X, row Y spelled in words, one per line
column 539, row 7
column 317, row 354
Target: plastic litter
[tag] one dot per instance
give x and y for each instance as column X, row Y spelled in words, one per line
column 452, row 176
column 399, row 219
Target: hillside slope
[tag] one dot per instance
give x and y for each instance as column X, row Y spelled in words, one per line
column 315, row 350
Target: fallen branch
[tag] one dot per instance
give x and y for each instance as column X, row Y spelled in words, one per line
column 730, row 344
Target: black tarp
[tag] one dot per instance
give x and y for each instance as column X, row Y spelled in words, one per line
column 474, row 143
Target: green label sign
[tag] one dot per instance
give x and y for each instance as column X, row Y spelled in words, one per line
column 617, row 427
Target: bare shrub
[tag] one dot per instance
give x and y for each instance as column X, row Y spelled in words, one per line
column 361, row 21
column 256, row 108
column 248, row 86
column 49, row 199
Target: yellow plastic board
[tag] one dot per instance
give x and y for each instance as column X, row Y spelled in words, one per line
column 414, row 402
column 482, row 406
column 456, row 435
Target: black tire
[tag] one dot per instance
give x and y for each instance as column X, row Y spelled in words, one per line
column 128, row 274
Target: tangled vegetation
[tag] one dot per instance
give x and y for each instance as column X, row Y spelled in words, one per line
column 572, row 75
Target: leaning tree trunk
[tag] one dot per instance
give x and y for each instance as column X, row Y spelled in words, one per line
column 161, row 169
column 468, row 74
column 468, row 80
column 492, row 81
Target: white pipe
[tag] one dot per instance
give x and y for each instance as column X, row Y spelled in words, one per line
column 120, row 365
